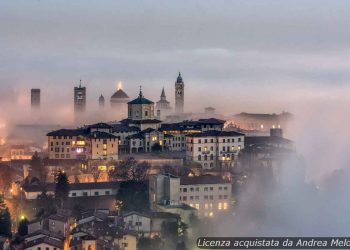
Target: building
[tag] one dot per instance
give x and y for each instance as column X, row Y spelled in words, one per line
column 35, row 98
column 148, row 224
column 89, row 142
column 209, row 195
column 119, row 101
column 163, row 107
column 87, row 189
column 213, row 148
column 141, row 114
column 101, row 101
column 79, row 99
column 179, row 95
column 261, row 122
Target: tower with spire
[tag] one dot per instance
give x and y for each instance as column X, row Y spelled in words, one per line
column 179, row 95
column 101, row 101
column 163, row 106
column 79, row 100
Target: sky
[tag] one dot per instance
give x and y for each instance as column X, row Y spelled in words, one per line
column 256, row 55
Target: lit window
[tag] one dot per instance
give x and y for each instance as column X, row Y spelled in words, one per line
column 220, row 206
column 206, row 206
column 197, row 206
column 225, row 205
column 211, row 214
column 81, row 143
column 104, row 146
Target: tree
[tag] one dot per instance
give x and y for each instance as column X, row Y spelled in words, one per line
column 23, row 227
column 38, row 167
column 62, row 188
column 133, row 196
column 130, row 169
column 45, row 204
column 5, row 219
column 169, row 231
column 150, row 244
column 77, row 210
column 156, row 147
column 7, row 175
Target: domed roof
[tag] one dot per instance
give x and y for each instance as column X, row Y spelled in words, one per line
column 119, row 94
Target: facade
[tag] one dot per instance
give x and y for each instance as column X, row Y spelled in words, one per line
column 89, row 142
column 79, row 100
column 35, row 98
column 163, row 107
column 87, row 189
column 209, row 195
column 119, row 101
column 214, row 148
column 179, row 95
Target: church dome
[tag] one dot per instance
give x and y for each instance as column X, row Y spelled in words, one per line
column 119, row 94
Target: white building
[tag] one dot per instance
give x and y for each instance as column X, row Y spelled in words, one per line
column 210, row 195
column 214, row 148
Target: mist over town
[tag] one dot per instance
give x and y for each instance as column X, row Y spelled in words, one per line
column 149, row 124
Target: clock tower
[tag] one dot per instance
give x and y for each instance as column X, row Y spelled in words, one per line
column 179, row 95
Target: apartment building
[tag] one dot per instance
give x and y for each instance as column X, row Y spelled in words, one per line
column 214, row 148
column 209, row 195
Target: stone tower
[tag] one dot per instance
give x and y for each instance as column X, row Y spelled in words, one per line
column 179, row 95
column 79, row 102
column 101, row 101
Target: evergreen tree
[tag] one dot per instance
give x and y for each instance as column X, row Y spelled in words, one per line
column 5, row 219
column 23, row 227
column 45, row 204
column 62, row 188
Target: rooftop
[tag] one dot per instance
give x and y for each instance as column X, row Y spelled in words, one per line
column 202, row 179
column 119, row 94
column 216, row 133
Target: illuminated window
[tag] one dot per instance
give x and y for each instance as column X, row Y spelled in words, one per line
column 80, row 150
column 220, row 206
column 211, row 214
column 104, row 146
column 81, row 143
column 197, row 206
column 154, row 138
column 239, row 147
column 161, row 143
column 225, row 205
column 206, row 206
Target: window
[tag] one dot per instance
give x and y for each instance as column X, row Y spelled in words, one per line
column 197, row 206
column 211, row 188
column 197, row 197
column 197, row 189
column 211, row 197
column 211, row 140
column 199, row 157
column 191, row 198
column 205, row 141
column 225, row 205
column 223, row 140
column 85, row 193
column 199, row 149
column 225, row 188
column 220, row 197
column 206, row 206
column 239, row 139
column 220, row 188
column 107, row 192
column 47, row 248
column 67, row 143
column 146, row 113
column 205, row 197
column 138, row 223
column 74, row 194
column 184, row 190
column 223, row 148
column 184, row 198
column 205, row 189
column 220, row 206
column 96, row 193
column 225, row 196
column 192, row 189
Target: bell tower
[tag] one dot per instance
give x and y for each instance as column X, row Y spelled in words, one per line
column 179, row 95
